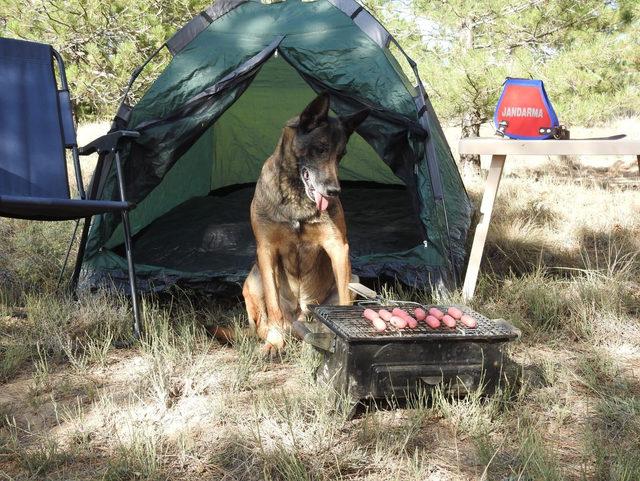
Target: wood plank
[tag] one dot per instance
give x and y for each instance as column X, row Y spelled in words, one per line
column 486, row 208
column 498, row 146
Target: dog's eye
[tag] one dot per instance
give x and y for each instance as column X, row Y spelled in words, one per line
column 318, row 150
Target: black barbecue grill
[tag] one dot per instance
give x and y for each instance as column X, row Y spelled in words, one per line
column 363, row 363
column 348, row 323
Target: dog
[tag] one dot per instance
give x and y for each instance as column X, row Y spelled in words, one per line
column 298, row 222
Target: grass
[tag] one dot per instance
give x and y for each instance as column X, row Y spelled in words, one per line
column 562, row 264
column 37, row 454
column 12, row 358
column 136, row 456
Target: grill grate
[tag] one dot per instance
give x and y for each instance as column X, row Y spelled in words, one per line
column 348, row 323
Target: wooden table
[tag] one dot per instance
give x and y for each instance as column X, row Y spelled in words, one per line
column 498, row 149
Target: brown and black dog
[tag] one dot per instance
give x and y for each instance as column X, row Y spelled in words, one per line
column 299, row 225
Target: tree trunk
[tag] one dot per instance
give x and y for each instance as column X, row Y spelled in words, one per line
column 471, row 123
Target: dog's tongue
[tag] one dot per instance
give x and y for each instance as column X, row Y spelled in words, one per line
column 321, row 201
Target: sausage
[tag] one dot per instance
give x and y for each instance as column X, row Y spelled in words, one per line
column 378, row 323
column 420, row 314
column 384, row 314
column 448, row 321
column 411, row 322
column 454, row 312
column 432, row 322
column 435, row 312
column 399, row 312
column 468, row 321
column 370, row 314
column 398, row 322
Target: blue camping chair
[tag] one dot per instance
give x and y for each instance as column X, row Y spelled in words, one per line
column 36, row 130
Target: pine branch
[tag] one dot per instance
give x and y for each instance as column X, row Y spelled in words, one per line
column 534, row 38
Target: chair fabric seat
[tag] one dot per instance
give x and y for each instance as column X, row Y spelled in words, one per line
column 43, row 208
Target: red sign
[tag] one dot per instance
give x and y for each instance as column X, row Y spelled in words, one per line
column 524, row 111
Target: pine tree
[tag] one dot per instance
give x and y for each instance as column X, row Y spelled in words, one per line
column 586, row 51
column 101, row 42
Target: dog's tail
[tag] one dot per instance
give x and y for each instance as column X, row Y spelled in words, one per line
column 224, row 334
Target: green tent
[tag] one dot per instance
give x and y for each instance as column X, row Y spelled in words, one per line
column 239, row 70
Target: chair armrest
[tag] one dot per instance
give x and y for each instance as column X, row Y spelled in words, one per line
column 108, row 143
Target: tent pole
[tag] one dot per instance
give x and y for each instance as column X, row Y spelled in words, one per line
column 434, row 170
column 66, row 257
column 136, row 73
column 80, row 256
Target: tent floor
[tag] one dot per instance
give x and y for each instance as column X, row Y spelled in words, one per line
column 213, row 233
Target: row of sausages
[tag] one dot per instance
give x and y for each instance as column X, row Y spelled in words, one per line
column 401, row 319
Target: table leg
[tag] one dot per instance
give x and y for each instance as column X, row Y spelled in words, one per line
column 488, row 199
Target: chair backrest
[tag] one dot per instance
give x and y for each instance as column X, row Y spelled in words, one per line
column 35, row 121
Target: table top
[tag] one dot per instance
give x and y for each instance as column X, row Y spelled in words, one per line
column 500, row 146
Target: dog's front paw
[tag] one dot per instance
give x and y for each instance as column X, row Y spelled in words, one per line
column 274, row 343
column 269, row 351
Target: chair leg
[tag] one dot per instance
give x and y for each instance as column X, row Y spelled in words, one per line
column 137, row 326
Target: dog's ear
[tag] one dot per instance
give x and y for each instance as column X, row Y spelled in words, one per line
column 352, row 122
column 315, row 113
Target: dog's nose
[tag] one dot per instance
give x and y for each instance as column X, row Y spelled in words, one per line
column 333, row 191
